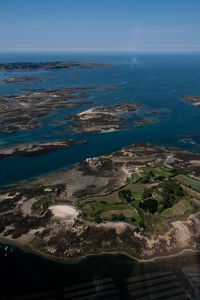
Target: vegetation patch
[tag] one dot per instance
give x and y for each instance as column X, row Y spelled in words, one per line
column 41, row 205
column 151, row 174
column 127, row 215
column 157, row 171
column 155, row 225
column 179, row 171
column 188, row 181
column 150, row 206
column 179, row 209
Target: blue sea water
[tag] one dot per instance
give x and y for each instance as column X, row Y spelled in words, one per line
column 158, row 81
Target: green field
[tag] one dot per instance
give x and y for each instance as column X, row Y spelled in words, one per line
column 95, row 210
column 151, row 207
column 128, row 213
column 188, row 181
column 98, row 208
column 111, row 198
column 179, row 209
column 164, row 168
column 135, row 176
column 157, row 171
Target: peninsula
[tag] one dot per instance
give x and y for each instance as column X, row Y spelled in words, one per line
column 142, row 200
column 33, row 149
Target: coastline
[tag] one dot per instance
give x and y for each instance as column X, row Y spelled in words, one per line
column 62, row 260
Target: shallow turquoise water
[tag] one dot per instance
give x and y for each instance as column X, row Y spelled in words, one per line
column 157, row 81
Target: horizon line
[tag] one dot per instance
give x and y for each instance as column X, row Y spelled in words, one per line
column 142, row 50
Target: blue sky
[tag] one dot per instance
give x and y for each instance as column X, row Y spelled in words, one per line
column 100, row 25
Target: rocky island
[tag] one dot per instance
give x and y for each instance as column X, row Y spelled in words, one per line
column 103, row 118
column 33, row 149
column 193, row 98
column 19, row 112
column 142, row 200
column 21, row 79
column 50, row 66
column 142, row 122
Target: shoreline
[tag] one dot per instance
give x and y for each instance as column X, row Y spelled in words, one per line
column 37, row 148
column 70, row 166
column 29, row 250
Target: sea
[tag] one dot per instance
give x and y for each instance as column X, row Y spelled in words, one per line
column 159, row 82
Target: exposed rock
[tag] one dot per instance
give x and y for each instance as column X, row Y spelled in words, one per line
column 21, row 79
column 19, row 112
column 57, row 65
column 171, row 160
column 33, row 149
column 103, row 118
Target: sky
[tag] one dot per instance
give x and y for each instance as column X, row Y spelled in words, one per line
column 99, row 25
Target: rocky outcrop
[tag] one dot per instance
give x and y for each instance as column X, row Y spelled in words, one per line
column 21, row 79
column 103, row 118
column 33, row 149
column 21, row 112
